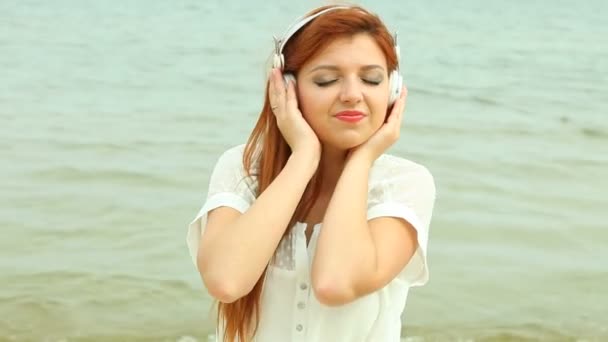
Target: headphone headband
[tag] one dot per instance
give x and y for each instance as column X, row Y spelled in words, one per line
column 299, row 23
column 279, row 43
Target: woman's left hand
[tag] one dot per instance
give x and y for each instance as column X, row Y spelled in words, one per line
column 385, row 136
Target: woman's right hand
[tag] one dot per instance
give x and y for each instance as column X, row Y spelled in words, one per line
column 296, row 131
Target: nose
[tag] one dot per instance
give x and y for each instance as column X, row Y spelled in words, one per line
column 351, row 91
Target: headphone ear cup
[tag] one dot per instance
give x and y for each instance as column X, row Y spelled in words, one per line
column 278, row 61
column 289, row 77
column 395, row 85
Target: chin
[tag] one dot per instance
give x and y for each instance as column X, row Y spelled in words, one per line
column 347, row 141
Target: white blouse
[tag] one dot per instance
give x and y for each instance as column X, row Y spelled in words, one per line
column 289, row 308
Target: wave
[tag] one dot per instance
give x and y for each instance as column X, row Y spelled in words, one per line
column 72, row 174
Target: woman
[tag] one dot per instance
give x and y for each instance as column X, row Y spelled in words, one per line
column 309, row 232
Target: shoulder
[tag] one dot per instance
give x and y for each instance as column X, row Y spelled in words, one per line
column 229, row 174
column 232, row 158
column 398, row 180
column 389, row 168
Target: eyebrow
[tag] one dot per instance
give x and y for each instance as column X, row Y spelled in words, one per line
column 334, row 68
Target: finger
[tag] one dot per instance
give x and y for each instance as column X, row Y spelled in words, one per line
column 392, row 116
column 394, row 121
column 292, row 101
column 398, row 108
column 404, row 105
column 404, row 93
column 272, row 89
column 399, row 116
column 277, row 96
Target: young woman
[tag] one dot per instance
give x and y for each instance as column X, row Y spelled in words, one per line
column 309, row 231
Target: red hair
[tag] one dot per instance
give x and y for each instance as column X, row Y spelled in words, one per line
column 267, row 151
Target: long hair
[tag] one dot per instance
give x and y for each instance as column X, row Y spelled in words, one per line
column 267, row 152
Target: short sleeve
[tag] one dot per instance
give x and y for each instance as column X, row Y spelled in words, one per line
column 229, row 186
column 410, row 195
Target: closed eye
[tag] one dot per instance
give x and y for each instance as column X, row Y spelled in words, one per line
column 372, row 82
column 325, row 83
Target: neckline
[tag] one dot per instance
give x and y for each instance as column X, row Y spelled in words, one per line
column 304, row 225
column 313, row 235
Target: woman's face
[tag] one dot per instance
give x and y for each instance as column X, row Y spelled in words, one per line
column 348, row 76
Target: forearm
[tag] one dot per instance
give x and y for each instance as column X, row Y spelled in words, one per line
column 345, row 253
column 237, row 254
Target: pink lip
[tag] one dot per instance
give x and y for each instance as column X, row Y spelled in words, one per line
column 350, row 116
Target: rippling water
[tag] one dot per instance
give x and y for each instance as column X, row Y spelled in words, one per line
column 113, row 114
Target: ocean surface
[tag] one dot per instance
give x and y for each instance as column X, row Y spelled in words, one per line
column 113, row 113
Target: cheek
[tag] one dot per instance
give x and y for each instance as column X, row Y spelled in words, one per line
column 377, row 122
column 381, row 111
column 306, row 107
column 310, row 104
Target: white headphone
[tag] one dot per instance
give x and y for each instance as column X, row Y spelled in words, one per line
column 278, row 60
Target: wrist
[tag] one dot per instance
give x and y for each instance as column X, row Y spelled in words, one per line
column 361, row 157
column 305, row 160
